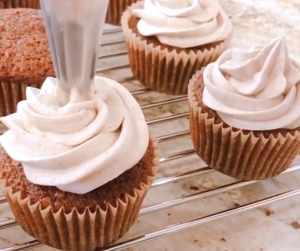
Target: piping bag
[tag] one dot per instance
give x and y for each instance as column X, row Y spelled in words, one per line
column 74, row 29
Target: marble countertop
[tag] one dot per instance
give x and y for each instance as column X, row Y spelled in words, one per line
column 275, row 227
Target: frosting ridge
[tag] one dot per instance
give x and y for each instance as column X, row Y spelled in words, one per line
column 185, row 23
column 256, row 88
column 78, row 146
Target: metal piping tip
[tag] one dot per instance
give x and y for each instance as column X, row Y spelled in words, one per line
column 74, row 29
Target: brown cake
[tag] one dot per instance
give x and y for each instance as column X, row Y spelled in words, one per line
column 116, row 9
column 25, row 57
column 241, row 154
column 5, row 4
column 115, row 205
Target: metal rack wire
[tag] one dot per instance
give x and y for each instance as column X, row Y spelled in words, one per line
column 163, row 181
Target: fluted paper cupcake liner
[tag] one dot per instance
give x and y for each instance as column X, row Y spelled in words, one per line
column 234, row 153
column 116, row 9
column 11, row 93
column 162, row 70
column 33, row 4
column 79, row 231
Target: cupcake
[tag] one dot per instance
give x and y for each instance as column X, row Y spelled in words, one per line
column 168, row 41
column 244, row 111
column 33, row 4
column 116, row 9
column 25, row 57
column 75, row 174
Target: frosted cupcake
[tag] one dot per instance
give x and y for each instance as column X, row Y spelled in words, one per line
column 75, row 174
column 244, row 111
column 168, row 41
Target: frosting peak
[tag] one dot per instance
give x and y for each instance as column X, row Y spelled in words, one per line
column 76, row 146
column 185, row 23
column 256, row 88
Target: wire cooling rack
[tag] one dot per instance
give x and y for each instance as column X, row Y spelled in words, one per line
column 112, row 55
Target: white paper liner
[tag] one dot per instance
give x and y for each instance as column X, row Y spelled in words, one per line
column 115, row 10
column 33, row 4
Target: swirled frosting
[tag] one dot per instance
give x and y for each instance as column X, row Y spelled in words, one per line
column 79, row 146
column 184, row 23
column 256, row 88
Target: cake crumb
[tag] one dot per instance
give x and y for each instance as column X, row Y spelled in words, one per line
column 269, row 212
column 195, row 241
column 194, row 188
column 295, row 225
column 236, row 204
column 169, row 214
column 223, row 239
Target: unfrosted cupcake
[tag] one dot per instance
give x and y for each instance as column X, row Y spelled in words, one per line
column 75, row 174
column 244, row 111
column 116, row 9
column 168, row 41
column 25, row 57
column 34, row 4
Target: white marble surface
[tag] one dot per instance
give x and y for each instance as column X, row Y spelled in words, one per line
column 272, row 228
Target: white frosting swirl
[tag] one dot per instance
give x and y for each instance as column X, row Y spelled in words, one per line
column 255, row 89
column 76, row 147
column 184, row 23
